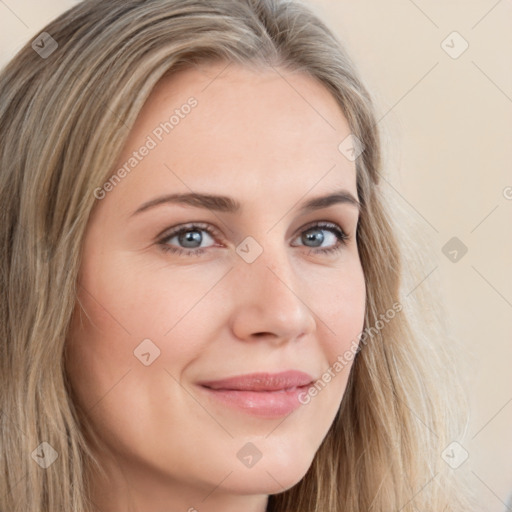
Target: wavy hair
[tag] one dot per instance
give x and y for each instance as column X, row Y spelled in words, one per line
column 63, row 122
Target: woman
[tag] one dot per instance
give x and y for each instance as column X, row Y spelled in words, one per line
column 203, row 304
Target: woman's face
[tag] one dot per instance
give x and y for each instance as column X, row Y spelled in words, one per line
column 261, row 288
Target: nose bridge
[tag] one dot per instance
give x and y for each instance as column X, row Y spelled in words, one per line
column 270, row 264
column 268, row 295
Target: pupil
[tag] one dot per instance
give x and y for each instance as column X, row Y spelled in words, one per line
column 191, row 237
column 315, row 235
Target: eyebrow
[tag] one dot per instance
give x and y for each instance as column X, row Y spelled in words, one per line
column 229, row 205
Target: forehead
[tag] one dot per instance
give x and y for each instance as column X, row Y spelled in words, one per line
column 250, row 128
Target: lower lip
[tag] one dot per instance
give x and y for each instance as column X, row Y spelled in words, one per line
column 266, row 404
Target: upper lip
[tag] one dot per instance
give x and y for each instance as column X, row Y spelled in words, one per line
column 262, row 381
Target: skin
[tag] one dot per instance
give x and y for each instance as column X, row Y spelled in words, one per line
column 269, row 140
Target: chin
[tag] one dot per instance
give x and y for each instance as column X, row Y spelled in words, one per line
column 270, row 478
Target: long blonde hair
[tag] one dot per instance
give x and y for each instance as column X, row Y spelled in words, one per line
column 63, row 122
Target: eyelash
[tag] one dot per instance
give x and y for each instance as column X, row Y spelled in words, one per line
column 342, row 237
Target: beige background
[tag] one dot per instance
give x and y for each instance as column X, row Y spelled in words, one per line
column 447, row 125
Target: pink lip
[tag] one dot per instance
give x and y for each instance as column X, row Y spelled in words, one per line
column 262, row 394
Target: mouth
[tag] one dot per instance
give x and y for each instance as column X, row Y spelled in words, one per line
column 261, row 394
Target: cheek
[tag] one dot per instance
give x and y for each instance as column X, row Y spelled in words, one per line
column 123, row 328
column 123, row 314
column 342, row 322
column 343, row 308
column 145, row 299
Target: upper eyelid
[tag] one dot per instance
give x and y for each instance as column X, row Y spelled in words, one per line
column 322, row 223
column 187, row 226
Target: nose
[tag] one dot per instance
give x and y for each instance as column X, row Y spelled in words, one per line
column 270, row 301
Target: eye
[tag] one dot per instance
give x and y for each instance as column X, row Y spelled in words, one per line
column 191, row 237
column 314, row 234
